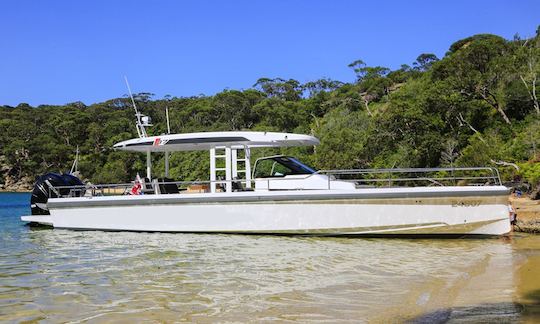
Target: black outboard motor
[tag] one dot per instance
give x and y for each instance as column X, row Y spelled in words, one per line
column 44, row 189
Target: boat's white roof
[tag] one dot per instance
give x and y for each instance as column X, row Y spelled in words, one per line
column 208, row 140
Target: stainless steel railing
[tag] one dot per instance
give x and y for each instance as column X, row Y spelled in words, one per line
column 375, row 178
column 427, row 176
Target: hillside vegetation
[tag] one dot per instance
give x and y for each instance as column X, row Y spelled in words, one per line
column 476, row 106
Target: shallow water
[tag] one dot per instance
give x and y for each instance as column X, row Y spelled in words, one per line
column 70, row 276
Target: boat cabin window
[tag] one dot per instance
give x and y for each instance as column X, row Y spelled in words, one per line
column 280, row 166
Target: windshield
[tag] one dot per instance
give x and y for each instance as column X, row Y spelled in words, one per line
column 280, row 166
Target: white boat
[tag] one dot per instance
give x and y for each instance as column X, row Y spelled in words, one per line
column 281, row 195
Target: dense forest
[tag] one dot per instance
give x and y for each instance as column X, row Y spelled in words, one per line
column 476, row 106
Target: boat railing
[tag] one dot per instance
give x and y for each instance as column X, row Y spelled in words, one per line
column 90, row 190
column 462, row 176
column 149, row 187
column 362, row 178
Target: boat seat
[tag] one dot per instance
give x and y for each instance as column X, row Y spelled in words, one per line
column 237, row 185
column 147, row 187
column 167, row 188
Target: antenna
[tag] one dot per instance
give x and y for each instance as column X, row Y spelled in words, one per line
column 140, row 127
column 168, row 121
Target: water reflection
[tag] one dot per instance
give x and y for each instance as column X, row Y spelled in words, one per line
column 75, row 276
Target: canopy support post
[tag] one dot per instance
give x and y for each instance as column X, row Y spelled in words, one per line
column 166, row 164
column 234, row 159
column 247, row 167
column 213, row 170
column 148, row 165
column 228, row 169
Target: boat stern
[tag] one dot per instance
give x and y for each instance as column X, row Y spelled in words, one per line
column 38, row 219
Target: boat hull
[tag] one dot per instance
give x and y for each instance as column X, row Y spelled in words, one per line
column 360, row 212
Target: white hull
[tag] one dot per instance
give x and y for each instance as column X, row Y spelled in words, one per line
column 427, row 210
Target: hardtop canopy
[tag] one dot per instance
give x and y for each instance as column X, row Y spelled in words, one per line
column 210, row 140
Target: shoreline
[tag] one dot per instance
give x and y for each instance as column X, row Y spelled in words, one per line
column 14, row 191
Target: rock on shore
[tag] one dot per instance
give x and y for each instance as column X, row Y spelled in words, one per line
column 23, row 185
column 528, row 214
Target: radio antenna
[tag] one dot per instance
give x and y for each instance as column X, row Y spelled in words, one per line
column 140, row 127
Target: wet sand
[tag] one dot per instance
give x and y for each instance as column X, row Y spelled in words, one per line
column 528, row 278
column 497, row 288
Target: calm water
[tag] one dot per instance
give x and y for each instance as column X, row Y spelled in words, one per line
column 69, row 276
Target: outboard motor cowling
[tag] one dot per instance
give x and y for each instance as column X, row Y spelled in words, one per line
column 44, row 189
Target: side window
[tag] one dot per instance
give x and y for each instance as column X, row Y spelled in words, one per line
column 263, row 168
column 279, row 170
column 280, row 166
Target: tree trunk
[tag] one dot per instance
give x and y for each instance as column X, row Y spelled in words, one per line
column 503, row 114
column 463, row 121
column 532, row 93
column 491, row 99
column 366, row 103
column 504, row 163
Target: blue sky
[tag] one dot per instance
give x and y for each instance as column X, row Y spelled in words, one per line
column 55, row 52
